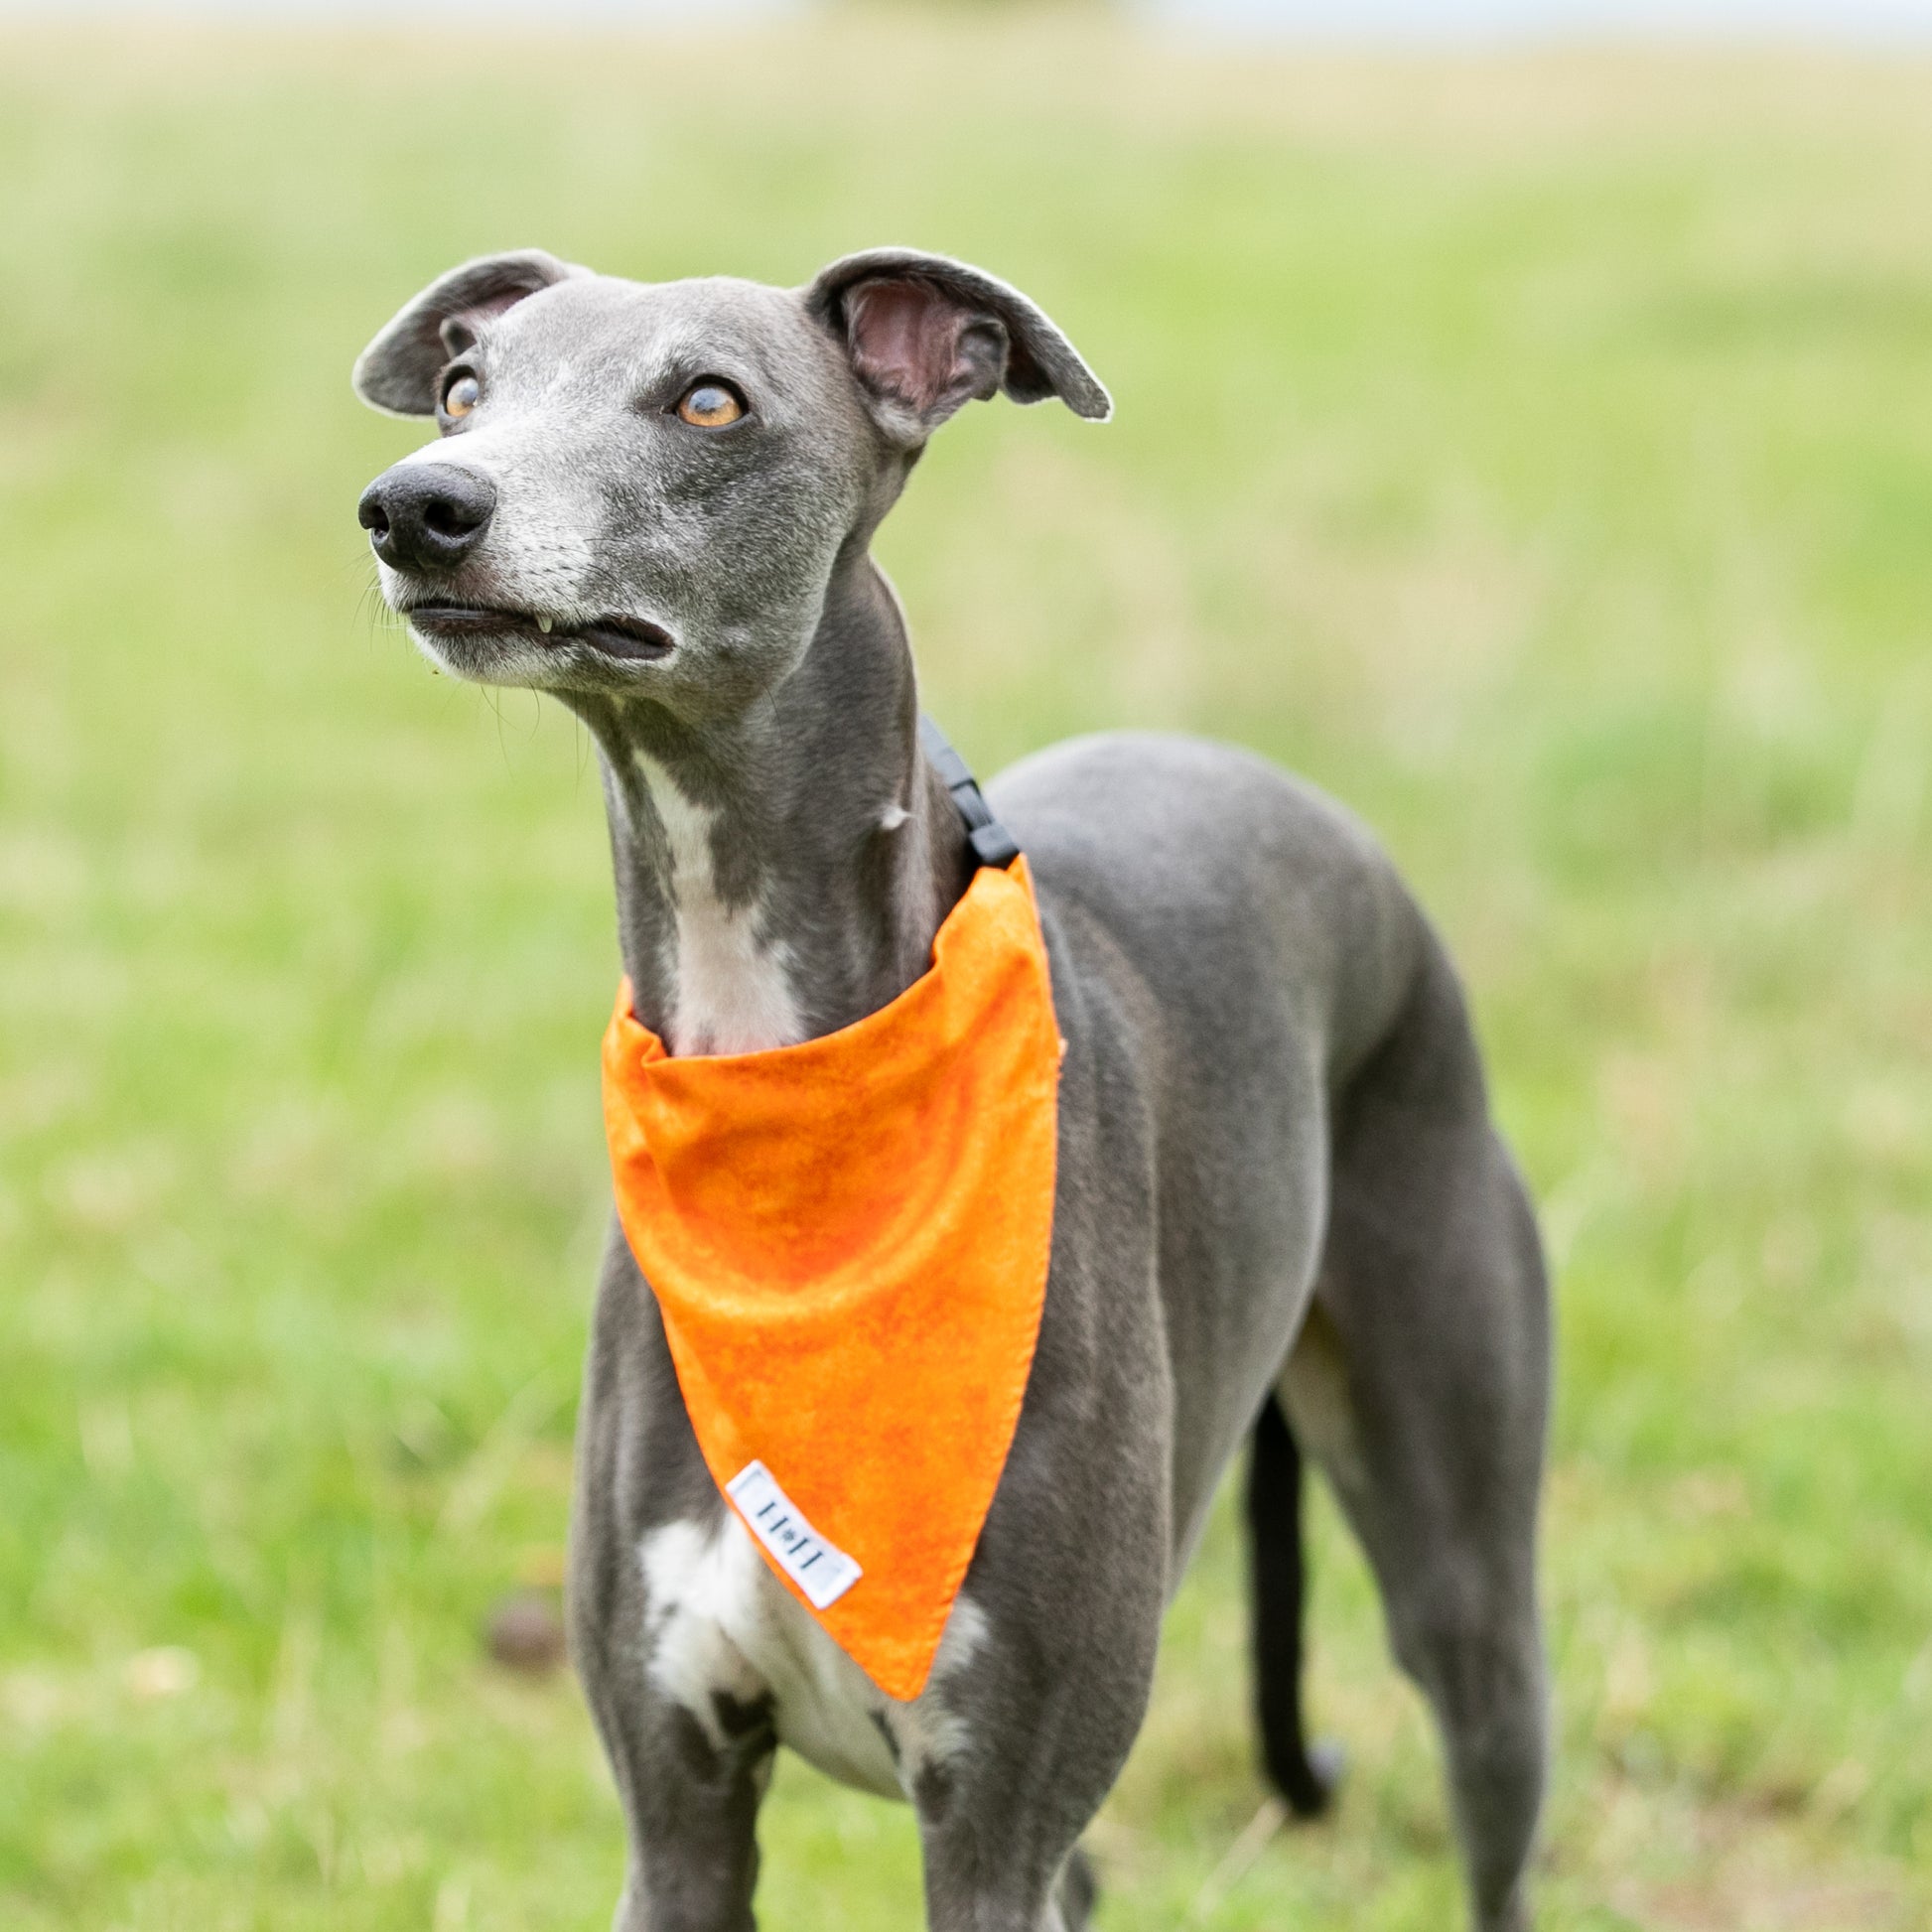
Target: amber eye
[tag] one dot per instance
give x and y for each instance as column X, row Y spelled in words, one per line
column 463, row 394
column 710, row 405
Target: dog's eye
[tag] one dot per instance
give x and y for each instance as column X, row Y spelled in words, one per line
column 710, row 405
column 463, row 394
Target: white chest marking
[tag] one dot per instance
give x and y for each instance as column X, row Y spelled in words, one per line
column 732, row 989
column 721, row 1621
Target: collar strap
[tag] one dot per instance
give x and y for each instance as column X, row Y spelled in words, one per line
column 992, row 843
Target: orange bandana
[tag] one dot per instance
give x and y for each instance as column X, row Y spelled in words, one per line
column 847, row 1240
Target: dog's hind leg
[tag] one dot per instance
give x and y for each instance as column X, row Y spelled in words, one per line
column 1306, row 1779
column 1421, row 1382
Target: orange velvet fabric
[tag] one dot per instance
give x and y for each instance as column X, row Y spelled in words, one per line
column 849, row 1241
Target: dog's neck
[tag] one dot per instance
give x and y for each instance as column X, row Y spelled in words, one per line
column 782, row 873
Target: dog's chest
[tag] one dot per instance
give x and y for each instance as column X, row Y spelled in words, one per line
column 725, row 1635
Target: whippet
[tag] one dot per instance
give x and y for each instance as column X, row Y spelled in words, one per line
column 1279, row 1199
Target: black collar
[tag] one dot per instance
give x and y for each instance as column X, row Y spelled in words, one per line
column 992, row 843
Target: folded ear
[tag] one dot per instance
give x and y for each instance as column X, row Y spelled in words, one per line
column 925, row 334
column 397, row 372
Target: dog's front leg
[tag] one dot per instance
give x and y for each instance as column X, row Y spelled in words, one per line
column 692, row 1810
column 1042, row 1715
column 1001, row 1816
column 966, row 1893
column 686, row 1723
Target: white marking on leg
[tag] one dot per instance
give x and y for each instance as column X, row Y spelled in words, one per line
column 930, row 1729
column 691, row 1594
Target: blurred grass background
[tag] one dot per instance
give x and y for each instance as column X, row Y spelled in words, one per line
column 1536, row 451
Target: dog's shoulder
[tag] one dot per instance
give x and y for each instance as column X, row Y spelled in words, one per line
column 1224, row 885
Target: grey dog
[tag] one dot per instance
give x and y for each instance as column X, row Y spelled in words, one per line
column 1282, row 1209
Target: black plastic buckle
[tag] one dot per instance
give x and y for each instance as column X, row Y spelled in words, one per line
column 992, row 843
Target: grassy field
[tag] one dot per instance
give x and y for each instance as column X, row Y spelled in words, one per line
column 1536, row 452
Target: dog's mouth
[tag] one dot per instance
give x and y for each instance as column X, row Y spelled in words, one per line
column 613, row 636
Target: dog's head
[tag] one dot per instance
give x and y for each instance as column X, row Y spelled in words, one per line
column 646, row 488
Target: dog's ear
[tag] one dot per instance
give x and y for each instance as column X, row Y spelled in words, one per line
column 926, row 335
column 398, row 372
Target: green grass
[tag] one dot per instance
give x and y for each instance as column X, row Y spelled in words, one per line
column 1538, row 452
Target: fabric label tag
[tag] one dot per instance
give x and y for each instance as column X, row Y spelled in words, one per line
column 821, row 1571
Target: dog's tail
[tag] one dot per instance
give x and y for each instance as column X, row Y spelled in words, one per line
column 1305, row 1779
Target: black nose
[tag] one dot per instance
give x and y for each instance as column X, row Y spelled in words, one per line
column 426, row 516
